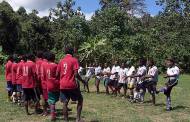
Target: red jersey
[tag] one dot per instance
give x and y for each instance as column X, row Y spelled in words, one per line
column 29, row 75
column 38, row 67
column 67, row 68
column 8, row 69
column 52, row 82
column 43, row 74
column 14, row 71
column 19, row 74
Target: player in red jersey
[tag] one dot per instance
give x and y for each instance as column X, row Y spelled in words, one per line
column 44, row 84
column 14, row 80
column 8, row 76
column 52, row 84
column 39, row 61
column 19, row 77
column 67, row 71
column 29, row 82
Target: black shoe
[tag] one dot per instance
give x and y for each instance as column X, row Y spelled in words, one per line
column 169, row 109
column 157, row 92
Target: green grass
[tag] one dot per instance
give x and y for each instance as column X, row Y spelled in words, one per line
column 102, row 108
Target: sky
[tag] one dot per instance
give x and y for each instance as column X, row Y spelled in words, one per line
column 88, row 6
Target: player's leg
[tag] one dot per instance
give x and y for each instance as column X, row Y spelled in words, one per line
column 45, row 103
column 64, row 98
column 125, row 89
column 97, row 83
column 106, row 82
column 9, row 89
column 53, row 97
column 76, row 95
column 26, row 99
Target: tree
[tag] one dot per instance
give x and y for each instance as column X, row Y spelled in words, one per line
column 10, row 29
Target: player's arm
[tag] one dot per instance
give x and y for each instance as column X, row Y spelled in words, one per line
column 79, row 77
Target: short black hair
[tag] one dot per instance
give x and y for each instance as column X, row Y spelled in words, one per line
column 31, row 57
column 39, row 54
column 142, row 61
column 10, row 57
column 171, row 59
column 24, row 57
column 152, row 61
column 50, row 56
column 45, row 55
column 69, row 50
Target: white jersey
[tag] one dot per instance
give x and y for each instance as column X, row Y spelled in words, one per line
column 90, row 72
column 80, row 71
column 173, row 71
column 115, row 69
column 130, row 72
column 122, row 75
column 153, row 71
column 141, row 71
column 98, row 70
column 106, row 70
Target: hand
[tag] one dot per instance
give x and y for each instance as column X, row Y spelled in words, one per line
column 165, row 76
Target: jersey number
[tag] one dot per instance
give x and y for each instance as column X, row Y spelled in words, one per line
column 25, row 71
column 64, row 68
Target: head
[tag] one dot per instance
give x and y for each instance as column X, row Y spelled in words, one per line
column 116, row 63
column 122, row 65
column 51, row 57
column 151, row 62
column 142, row 62
column 105, row 65
column 24, row 58
column 10, row 58
column 15, row 58
column 170, row 62
column 39, row 54
column 31, row 57
column 45, row 55
column 69, row 50
column 128, row 63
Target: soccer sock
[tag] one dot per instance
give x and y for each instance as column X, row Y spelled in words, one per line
column 52, row 110
column 168, row 102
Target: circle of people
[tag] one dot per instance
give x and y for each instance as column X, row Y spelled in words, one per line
column 31, row 78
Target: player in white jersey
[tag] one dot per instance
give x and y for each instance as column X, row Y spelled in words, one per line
column 98, row 72
column 89, row 74
column 172, row 75
column 122, row 82
column 141, row 72
column 114, row 76
column 151, row 79
column 131, row 80
column 106, row 72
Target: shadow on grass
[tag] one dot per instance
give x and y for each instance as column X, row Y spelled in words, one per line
column 160, row 104
column 180, row 107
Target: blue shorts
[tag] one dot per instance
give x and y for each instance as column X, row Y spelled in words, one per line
column 19, row 88
column 106, row 82
column 9, row 86
column 73, row 94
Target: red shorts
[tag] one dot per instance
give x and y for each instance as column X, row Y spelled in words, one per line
column 45, row 94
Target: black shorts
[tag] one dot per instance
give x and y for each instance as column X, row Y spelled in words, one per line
column 113, row 83
column 14, row 87
column 120, row 85
column 30, row 94
column 73, row 94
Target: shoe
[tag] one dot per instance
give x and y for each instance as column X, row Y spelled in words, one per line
column 169, row 109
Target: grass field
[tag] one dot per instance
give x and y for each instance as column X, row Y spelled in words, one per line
column 102, row 108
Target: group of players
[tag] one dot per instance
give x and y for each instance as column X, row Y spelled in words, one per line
column 134, row 81
column 34, row 78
